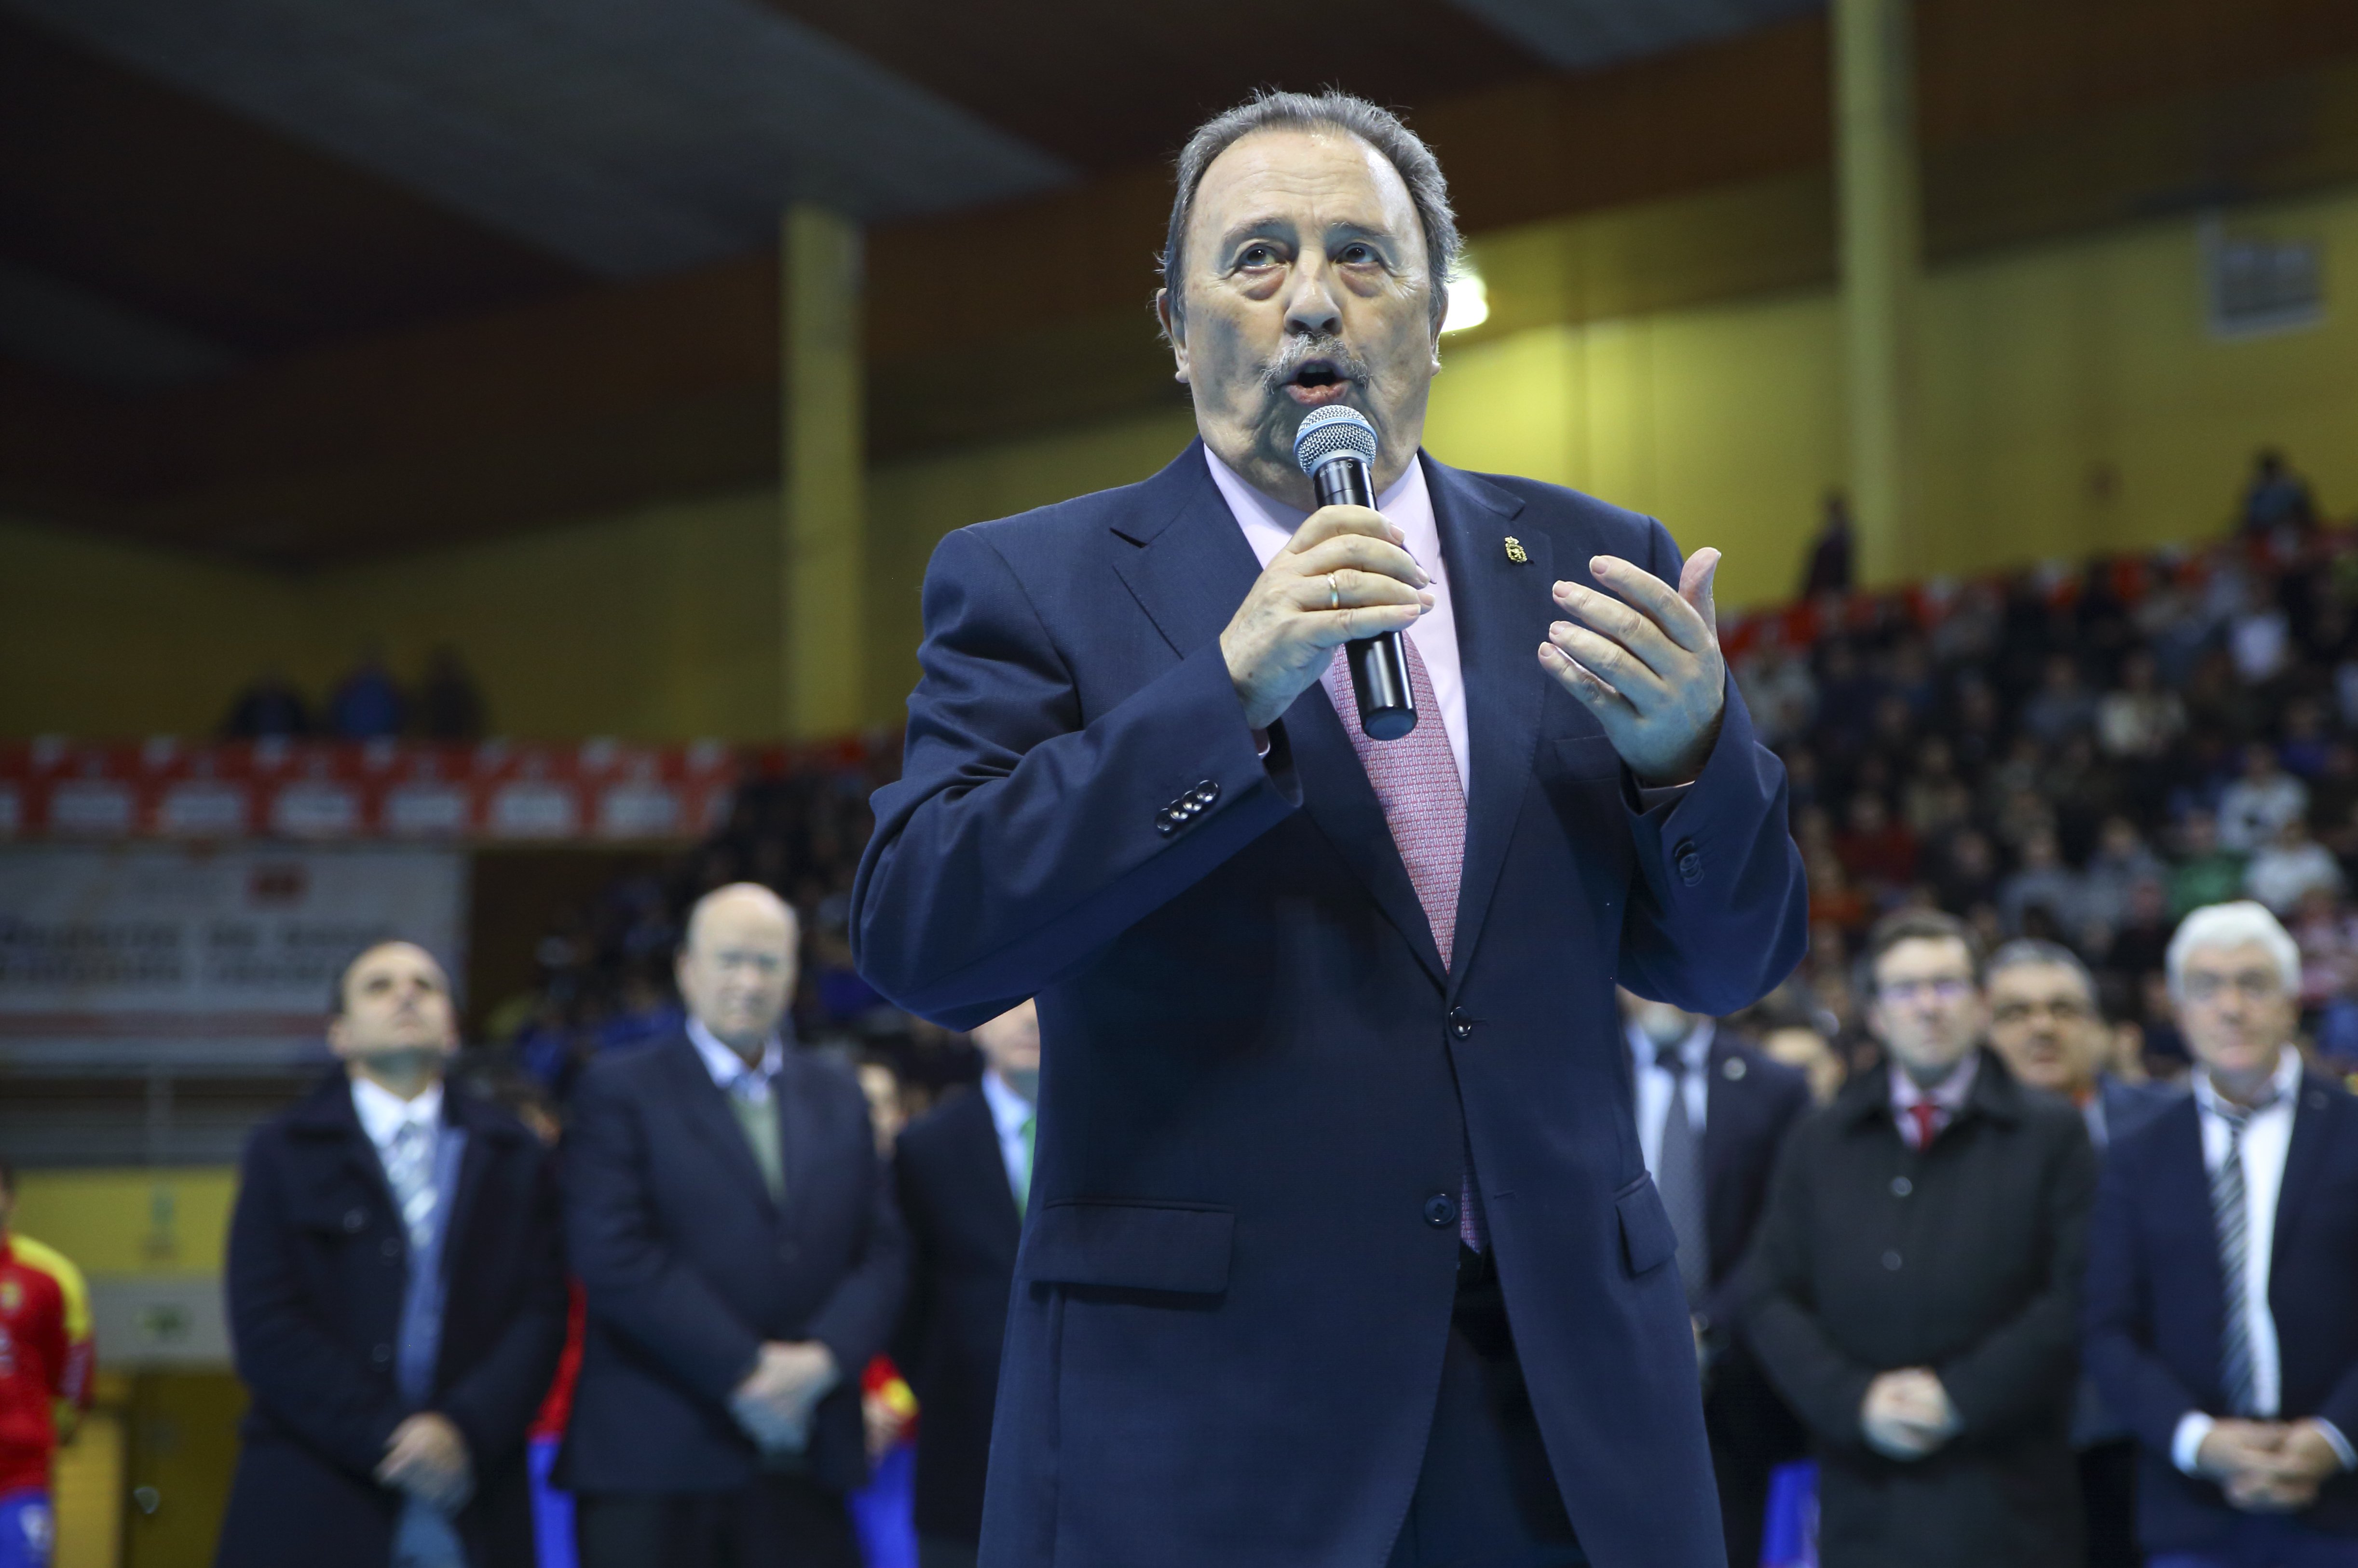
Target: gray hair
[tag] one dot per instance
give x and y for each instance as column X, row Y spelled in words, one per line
column 2024, row 952
column 1378, row 128
column 2232, row 925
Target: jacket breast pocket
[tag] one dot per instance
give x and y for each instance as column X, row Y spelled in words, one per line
column 1646, row 1239
column 1180, row 1248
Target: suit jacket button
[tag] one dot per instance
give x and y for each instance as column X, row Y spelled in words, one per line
column 1901, row 1186
column 1689, row 860
column 1207, row 792
column 1892, row 1261
column 1440, row 1211
column 1460, row 1024
column 1164, row 823
column 355, row 1221
column 380, row 1353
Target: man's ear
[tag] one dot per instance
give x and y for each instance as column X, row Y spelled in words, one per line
column 1173, row 334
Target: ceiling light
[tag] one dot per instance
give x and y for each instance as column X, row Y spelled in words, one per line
column 1469, row 303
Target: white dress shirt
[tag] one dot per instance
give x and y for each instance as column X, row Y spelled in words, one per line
column 1009, row 1112
column 2268, row 1139
column 1654, row 1086
column 383, row 1113
column 729, row 1069
column 1268, row 526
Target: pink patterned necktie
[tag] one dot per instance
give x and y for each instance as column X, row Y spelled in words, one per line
column 1415, row 779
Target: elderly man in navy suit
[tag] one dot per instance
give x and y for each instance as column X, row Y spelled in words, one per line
column 2222, row 1305
column 1712, row 1114
column 1341, row 1246
column 742, row 1260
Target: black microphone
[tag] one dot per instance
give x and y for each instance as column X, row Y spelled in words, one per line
column 1334, row 446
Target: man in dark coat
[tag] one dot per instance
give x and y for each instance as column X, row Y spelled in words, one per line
column 396, row 1301
column 736, row 1237
column 2046, row 1026
column 965, row 1171
column 2222, row 1275
column 1918, row 1277
column 1341, row 1247
column 1712, row 1114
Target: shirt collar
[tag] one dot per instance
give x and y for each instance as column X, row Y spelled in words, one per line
column 726, row 1068
column 1948, row 1095
column 383, row 1113
column 1694, row 1050
column 1008, row 1111
column 2287, row 1079
column 1407, row 504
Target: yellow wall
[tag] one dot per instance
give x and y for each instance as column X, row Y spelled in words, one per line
column 172, row 1220
column 2045, row 369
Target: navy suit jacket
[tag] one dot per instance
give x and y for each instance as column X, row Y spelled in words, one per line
column 689, row 1267
column 318, row 1263
column 963, row 1230
column 2154, row 1302
column 1752, row 1102
column 1259, row 1085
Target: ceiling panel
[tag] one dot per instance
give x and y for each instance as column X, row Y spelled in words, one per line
column 1587, row 35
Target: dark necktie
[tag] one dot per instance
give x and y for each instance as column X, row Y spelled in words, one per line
column 1679, row 1174
column 2231, row 1208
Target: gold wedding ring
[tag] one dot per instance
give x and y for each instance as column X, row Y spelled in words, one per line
column 1334, row 593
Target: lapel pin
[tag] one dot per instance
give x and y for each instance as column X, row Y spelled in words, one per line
column 1515, row 550
column 1733, row 1069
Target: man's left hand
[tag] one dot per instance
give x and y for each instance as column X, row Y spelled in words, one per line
column 2302, row 1461
column 1647, row 664
column 426, row 1457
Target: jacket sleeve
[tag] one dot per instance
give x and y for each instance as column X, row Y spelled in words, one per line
column 1020, row 839
column 1721, row 912
column 1780, row 1319
column 291, row 1362
column 626, row 1265
column 2016, row 1370
column 2116, row 1321
column 494, row 1404
column 856, row 1320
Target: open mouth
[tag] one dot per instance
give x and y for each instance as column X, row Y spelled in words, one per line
column 1318, row 383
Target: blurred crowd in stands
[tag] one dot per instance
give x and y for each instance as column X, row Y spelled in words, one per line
column 370, row 703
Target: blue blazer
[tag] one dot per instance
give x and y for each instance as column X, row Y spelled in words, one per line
column 687, row 1266
column 1260, row 1084
column 2154, row 1302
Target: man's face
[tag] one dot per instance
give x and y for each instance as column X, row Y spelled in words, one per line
column 1304, row 282
column 737, row 972
column 2234, row 1010
column 1926, row 1008
column 397, row 1005
column 2046, row 1026
column 1010, row 1044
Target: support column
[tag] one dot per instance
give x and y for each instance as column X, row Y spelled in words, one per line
column 823, row 644
column 1882, row 262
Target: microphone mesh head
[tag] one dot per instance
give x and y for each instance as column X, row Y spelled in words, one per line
column 1331, row 432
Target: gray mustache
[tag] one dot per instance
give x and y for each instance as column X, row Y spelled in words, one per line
column 1298, row 352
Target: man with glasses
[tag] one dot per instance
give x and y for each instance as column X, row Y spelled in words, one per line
column 1918, row 1280
column 2045, row 1025
column 2222, row 1279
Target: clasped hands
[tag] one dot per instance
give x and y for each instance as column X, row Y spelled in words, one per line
column 426, row 1458
column 2267, row 1466
column 1645, row 663
column 1907, row 1414
column 775, row 1402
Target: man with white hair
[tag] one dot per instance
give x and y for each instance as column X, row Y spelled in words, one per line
column 2222, row 1302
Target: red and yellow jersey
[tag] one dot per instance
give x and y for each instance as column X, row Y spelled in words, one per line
column 45, row 1357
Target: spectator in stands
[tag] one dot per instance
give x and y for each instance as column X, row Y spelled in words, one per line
column 2277, row 497
column 396, row 1300
column 2062, row 706
column 2260, row 638
column 270, row 708
column 964, row 1174
column 2222, row 1277
column 2043, row 893
column 2207, row 870
column 1918, row 1273
column 1712, row 1114
column 743, row 1260
column 2045, row 1025
column 1877, row 853
column 368, row 704
column 2288, row 866
column 2120, row 863
column 45, row 1380
column 450, row 704
column 1829, row 569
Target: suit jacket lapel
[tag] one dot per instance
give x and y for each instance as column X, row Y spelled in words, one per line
column 705, row 1105
column 797, row 1134
column 2310, row 1109
column 1191, row 569
column 1503, row 608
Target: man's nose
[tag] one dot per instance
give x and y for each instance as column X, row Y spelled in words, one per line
column 1311, row 308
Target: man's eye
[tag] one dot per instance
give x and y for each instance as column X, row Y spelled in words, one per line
column 1258, row 256
column 1355, row 255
